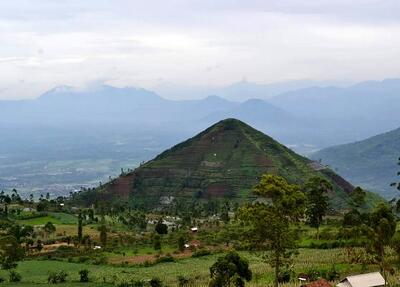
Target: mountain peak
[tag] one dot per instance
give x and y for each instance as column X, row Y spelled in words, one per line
column 224, row 161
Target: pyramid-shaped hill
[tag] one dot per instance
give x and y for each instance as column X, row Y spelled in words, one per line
column 224, row 161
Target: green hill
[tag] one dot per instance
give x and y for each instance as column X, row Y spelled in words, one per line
column 224, row 161
column 371, row 163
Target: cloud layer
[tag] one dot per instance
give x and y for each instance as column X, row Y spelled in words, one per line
column 45, row 43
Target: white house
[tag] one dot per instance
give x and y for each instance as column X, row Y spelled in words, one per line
column 373, row 279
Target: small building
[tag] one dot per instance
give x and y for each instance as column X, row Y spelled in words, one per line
column 303, row 277
column 373, row 279
column 194, row 229
column 318, row 283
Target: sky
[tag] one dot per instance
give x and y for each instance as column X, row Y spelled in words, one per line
column 153, row 44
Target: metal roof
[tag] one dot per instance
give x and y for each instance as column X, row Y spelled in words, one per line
column 373, row 279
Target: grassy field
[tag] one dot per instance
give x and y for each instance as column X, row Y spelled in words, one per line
column 35, row 272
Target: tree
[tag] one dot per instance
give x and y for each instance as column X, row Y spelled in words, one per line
column 230, row 270
column 269, row 224
column 358, row 196
column 181, row 243
column 316, row 189
column 49, row 228
column 84, row 275
column 10, row 252
column 157, row 242
column 382, row 229
column 161, row 228
column 80, row 228
column 19, row 232
column 103, row 232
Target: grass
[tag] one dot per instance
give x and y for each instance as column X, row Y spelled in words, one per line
column 42, row 220
column 36, row 271
column 57, row 218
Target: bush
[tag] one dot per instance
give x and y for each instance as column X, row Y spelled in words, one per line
column 57, row 277
column 200, row 253
column 166, row 258
column 84, row 275
column 14, row 276
column 101, row 260
column 332, row 274
column 155, row 282
column 285, row 275
column 183, row 281
column 2, row 280
column 83, row 259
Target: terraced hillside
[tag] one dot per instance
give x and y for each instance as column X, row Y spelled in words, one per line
column 224, row 161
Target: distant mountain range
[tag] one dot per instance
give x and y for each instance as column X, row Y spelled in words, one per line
column 371, row 163
column 224, row 161
column 347, row 114
column 125, row 126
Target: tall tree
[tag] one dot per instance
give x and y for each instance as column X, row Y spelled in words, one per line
column 80, row 228
column 382, row 229
column 358, row 196
column 103, row 232
column 49, row 228
column 269, row 223
column 10, row 252
column 316, row 190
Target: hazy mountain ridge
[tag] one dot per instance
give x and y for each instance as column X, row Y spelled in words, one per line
column 371, row 163
column 132, row 124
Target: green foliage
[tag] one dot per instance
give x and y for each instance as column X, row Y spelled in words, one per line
column 166, row 258
column 155, row 282
column 84, row 275
column 157, row 242
column 270, row 224
column 10, row 252
column 316, row 190
column 80, row 228
column 181, row 243
column 57, row 277
column 201, row 253
column 230, row 270
column 14, row 276
column 358, row 196
column 161, row 228
column 49, row 228
column 382, row 229
column 103, row 233
column 19, row 232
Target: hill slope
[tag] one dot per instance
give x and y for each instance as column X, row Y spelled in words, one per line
column 371, row 163
column 224, row 161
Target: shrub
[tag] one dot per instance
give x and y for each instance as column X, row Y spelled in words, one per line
column 57, row 277
column 166, row 258
column 83, row 259
column 183, row 281
column 84, row 275
column 285, row 275
column 200, row 253
column 332, row 274
column 100, row 260
column 155, row 282
column 14, row 276
column 2, row 280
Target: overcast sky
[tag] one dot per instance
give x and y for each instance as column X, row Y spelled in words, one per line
column 46, row 43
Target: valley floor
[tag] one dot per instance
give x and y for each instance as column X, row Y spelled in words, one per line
column 196, row 270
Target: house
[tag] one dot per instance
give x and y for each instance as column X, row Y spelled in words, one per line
column 373, row 279
column 318, row 283
column 303, row 277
